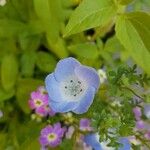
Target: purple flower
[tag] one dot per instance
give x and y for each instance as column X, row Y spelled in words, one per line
column 52, row 135
column 147, row 110
column 72, row 86
column 140, row 124
column 85, row 124
column 137, row 112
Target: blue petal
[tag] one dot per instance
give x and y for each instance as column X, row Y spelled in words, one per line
column 93, row 141
column 62, row 106
column 89, row 75
column 85, row 102
column 126, row 144
column 52, row 87
column 65, row 68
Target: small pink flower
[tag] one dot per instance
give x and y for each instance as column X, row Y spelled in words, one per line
column 147, row 135
column 42, row 90
column 140, row 124
column 85, row 124
column 137, row 112
column 39, row 103
column 37, row 100
column 45, row 111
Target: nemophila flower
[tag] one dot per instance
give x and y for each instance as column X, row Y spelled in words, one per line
column 93, row 141
column 102, row 75
column 137, row 112
column 125, row 143
column 85, row 124
column 72, row 86
column 147, row 110
column 52, row 135
column 2, row 2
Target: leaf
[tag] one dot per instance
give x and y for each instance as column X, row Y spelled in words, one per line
column 24, row 88
column 49, row 12
column 10, row 27
column 28, row 61
column 90, row 14
column 133, row 31
column 124, row 2
column 45, row 62
column 6, row 95
column 9, row 72
column 86, row 50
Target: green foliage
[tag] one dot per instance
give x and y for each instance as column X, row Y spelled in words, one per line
column 104, row 34
column 124, row 2
column 9, row 72
column 86, row 50
column 45, row 62
column 133, row 31
column 90, row 14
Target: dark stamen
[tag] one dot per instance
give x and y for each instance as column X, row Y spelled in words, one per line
column 79, row 82
column 65, row 87
column 74, row 94
column 81, row 90
column 71, row 80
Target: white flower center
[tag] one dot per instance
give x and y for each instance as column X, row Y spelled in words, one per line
column 72, row 88
column 52, row 137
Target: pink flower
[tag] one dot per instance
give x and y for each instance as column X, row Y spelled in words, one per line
column 137, row 112
column 39, row 102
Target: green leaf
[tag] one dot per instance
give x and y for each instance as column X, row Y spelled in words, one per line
column 86, row 50
column 49, row 12
column 24, row 88
column 90, row 14
column 133, row 31
column 124, row 2
column 5, row 95
column 45, row 62
column 9, row 72
column 10, row 27
column 28, row 61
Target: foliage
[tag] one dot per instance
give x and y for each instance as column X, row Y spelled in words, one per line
column 35, row 34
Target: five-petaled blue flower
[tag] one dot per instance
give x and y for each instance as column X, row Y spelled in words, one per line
column 72, row 86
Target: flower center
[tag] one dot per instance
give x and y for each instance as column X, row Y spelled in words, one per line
column 38, row 102
column 52, row 137
column 72, row 88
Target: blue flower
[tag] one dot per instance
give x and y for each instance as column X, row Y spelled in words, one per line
column 72, row 86
column 125, row 144
column 93, row 141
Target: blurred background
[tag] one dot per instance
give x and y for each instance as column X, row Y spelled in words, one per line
column 31, row 43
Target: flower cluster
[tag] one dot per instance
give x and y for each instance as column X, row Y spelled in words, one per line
column 39, row 102
column 70, row 90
